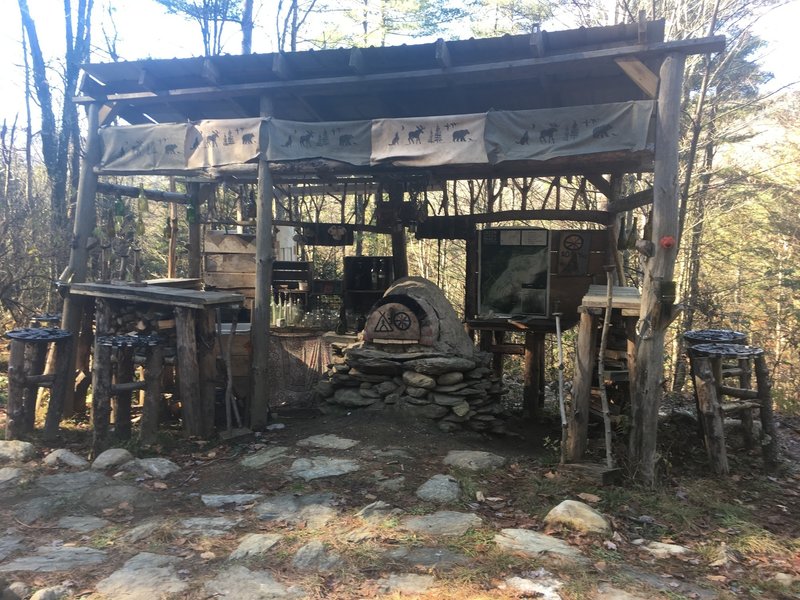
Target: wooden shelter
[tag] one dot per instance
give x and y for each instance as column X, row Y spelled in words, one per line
column 497, row 85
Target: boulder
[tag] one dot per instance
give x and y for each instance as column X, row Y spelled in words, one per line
column 418, row 380
column 450, row 378
column 16, row 451
column 111, row 458
column 474, row 460
column 440, row 365
column 62, row 456
column 577, row 516
column 440, row 488
column 350, row 397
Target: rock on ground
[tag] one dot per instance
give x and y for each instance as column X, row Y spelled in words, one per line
column 426, row 558
column 312, row 509
column 662, row 550
column 207, row 526
column 111, row 458
column 112, row 496
column 328, row 441
column 578, row 516
column 56, row 592
column 405, row 583
column 71, row 482
column 53, row 559
column 82, row 524
column 474, row 460
column 155, row 467
column 255, row 544
column 220, row 500
column 62, row 456
column 9, row 475
column 16, row 451
column 264, row 457
column 9, row 545
column 315, row 557
column 143, row 577
column 440, row 488
column 319, row 467
column 240, row 583
column 534, row 544
column 443, row 523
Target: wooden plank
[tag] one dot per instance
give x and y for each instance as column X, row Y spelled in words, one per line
column 187, row 283
column 220, row 242
column 230, row 263
column 623, row 297
column 578, row 417
column 638, row 72
column 154, row 294
column 518, row 349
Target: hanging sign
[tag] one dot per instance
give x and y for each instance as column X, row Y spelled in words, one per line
column 429, row 141
column 345, row 141
column 223, row 142
column 144, row 147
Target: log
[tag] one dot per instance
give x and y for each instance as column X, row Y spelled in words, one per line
column 533, row 381
column 745, row 383
column 131, row 191
column 15, row 415
column 58, row 391
column 101, row 378
column 705, row 384
column 207, row 363
column 578, row 417
column 189, row 372
column 121, row 404
column 34, row 364
column 769, row 437
column 148, row 426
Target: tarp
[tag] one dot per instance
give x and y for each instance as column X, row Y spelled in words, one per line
column 569, row 131
column 429, row 141
column 482, row 138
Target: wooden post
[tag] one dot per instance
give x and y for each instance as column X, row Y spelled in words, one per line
column 530, row 383
column 101, row 380
column 746, row 415
column 196, row 192
column 172, row 256
column 769, row 439
column 79, row 253
column 189, row 371
column 578, row 416
column 498, row 336
column 260, row 335
column 655, row 316
column 707, row 388
column 15, row 412
column 121, row 402
column 148, row 426
column 58, row 391
column 399, row 252
column 471, row 277
column 207, row 363
column 83, row 364
column 35, row 356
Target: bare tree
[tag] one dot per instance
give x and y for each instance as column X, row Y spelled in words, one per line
column 211, row 16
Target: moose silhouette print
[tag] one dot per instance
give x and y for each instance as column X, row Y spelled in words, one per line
column 305, row 139
column 211, row 139
column 547, row 136
column 414, row 135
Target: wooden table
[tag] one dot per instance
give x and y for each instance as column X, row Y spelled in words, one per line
column 195, row 326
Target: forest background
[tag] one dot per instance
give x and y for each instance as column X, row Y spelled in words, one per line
column 739, row 210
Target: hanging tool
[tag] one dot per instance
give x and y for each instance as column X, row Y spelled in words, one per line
column 601, row 375
column 561, row 405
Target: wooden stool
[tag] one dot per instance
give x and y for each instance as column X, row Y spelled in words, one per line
column 25, row 377
column 720, row 336
column 118, row 383
column 709, row 382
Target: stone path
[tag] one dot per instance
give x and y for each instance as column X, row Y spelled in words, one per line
column 127, row 528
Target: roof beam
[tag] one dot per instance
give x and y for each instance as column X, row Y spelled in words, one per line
column 210, row 72
column 537, row 41
column 486, row 73
column 108, row 112
column 637, row 71
column 443, row 54
column 147, row 81
column 356, row 61
column 600, row 183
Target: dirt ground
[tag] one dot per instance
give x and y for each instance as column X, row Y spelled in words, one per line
column 741, row 533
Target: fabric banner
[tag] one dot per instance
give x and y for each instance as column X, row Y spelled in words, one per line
column 223, row 142
column 345, row 141
column 429, row 141
column 412, row 142
column 552, row 132
column 144, row 147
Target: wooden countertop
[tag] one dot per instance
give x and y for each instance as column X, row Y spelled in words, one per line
column 156, row 294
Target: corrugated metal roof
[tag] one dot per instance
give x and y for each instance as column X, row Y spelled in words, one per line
column 377, row 82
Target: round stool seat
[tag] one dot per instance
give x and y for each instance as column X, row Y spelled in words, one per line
column 129, row 341
column 723, row 336
column 725, row 351
column 38, row 334
column 54, row 318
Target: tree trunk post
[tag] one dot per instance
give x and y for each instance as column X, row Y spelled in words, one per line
column 79, row 252
column 151, row 411
column 578, row 416
column 399, row 252
column 15, row 411
column 707, row 387
column 196, row 191
column 471, row 279
column 532, row 376
column 121, row 402
column 769, row 439
column 655, row 314
column 189, row 370
column 207, row 362
column 260, row 395
column 58, row 391
column 746, row 415
column 101, row 380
